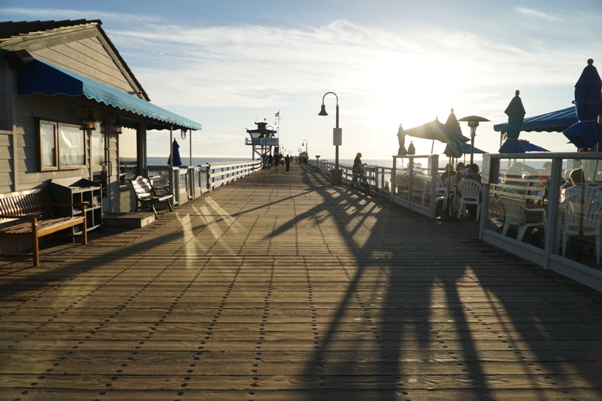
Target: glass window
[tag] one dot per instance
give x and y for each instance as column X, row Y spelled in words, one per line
column 48, row 145
column 71, row 146
column 518, row 199
column 61, row 146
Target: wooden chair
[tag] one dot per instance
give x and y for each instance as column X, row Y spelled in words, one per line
column 515, row 216
column 582, row 217
column 471, row 194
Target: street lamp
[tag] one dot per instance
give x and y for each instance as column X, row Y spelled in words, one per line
column 473, row 123
column 337, row 136
column 306, row 151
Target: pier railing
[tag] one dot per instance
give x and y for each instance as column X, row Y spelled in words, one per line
column 222, row 174
column 190, row 182
column 410, row 182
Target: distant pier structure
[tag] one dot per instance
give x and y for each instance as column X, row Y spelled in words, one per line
column 262, row 139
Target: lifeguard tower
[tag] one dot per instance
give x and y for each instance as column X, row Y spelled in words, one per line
column 262, row 139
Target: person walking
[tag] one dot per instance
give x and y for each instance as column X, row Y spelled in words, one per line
column 357, row 167
column 287, row 162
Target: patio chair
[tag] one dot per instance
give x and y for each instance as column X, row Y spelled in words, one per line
column 441, row 193
column 515, row 216
column 581, row 218
column 471, row 194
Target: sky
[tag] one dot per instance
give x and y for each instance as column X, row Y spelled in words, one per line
column 228, row 64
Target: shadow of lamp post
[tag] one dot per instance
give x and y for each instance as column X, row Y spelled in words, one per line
column 473, row 123
column 337, row 136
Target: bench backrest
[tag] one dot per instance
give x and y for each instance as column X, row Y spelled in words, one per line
column 142, row 187
column 17, row 204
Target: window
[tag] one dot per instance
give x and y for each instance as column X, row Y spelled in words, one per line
column 61, row 146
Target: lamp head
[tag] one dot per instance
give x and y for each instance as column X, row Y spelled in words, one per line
column 90, row 121
column 323, row 111
column 117, row 125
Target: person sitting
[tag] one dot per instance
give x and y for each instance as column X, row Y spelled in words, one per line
column 580, row 186
column 473, row 173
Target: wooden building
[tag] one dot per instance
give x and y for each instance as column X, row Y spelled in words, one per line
column 69, row 104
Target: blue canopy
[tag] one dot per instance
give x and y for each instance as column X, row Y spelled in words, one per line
column 555, row 121
column 465, row 148
column 42, row 77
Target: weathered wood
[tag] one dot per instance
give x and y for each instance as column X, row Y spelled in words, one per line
column 35, row 207
column 280, row 286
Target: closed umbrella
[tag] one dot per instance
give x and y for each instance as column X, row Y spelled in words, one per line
column 177, row 161
column 516, row 113
column 401, row 137
column 454, row 136
column 586, row 133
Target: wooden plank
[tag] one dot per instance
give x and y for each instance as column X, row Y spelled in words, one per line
column 270, row 288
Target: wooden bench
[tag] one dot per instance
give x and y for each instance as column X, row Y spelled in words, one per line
column 146, row 193
column 35, row 207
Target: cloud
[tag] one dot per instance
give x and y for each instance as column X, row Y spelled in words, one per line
column 537, row 14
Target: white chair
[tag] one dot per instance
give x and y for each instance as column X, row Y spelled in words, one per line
column 441, row 193
column 515, row 216
column 581, row 218
column 470, row 192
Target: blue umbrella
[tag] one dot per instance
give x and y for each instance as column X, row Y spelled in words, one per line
column 516, row 113
column 586, row 133
column 531, row 147
column 465, row 148
column 177, row 161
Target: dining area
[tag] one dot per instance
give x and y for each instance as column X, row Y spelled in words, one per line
column 547, row 208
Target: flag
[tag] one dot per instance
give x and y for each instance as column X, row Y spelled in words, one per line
column 277, row 115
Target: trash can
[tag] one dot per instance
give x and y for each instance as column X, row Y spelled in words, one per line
column 339, row 177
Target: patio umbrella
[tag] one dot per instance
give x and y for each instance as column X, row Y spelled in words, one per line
column 401, row 137
column 454, row 136
column 411, row 149
column 516, row 113
column 177, row 161
column 433, row 130
column 531, row 147
column 586, row 133
column 465, row 149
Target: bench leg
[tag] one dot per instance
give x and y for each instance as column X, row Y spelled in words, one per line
column 154, row 210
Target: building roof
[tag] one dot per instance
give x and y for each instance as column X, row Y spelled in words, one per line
column 13, row 35
column 10, row 29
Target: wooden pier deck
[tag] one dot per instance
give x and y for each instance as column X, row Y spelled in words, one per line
column 283, row 287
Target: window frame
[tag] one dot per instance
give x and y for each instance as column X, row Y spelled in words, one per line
column 56, row 146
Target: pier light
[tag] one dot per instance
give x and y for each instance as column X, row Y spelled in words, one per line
column 337, row 135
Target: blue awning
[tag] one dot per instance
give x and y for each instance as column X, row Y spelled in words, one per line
column 555, row 121
column 42, row 77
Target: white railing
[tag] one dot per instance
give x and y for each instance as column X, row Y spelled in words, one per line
column 222, row 174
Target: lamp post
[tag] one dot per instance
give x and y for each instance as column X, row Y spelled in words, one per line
column 337, row 136
column 473, row 123
column 306, row 151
